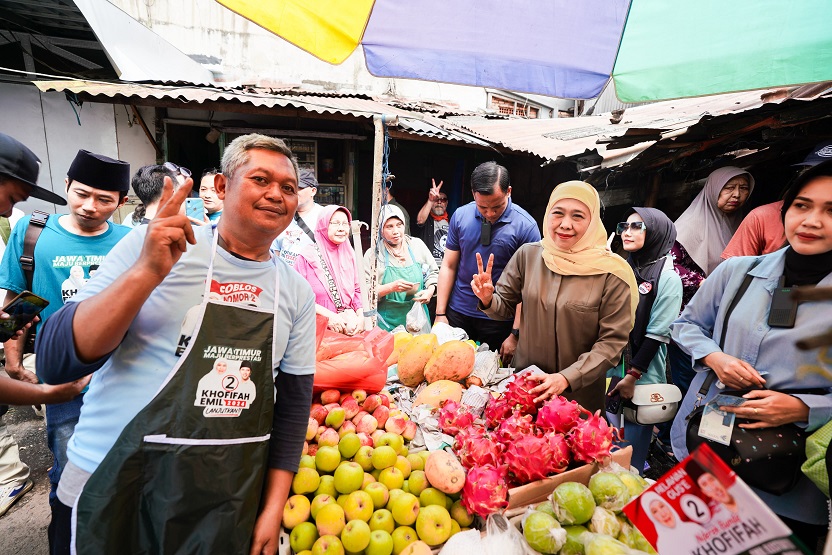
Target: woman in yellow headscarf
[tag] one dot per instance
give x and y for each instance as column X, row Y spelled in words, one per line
column 579, row 298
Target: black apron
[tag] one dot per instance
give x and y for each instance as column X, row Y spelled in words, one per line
column 187, row 473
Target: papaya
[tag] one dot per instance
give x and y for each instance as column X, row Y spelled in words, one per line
column 444, row 472
column 400, row 341
column 415, row 355
column 453, row 360
column 437, row 392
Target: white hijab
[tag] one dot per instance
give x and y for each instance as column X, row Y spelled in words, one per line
column 703, row 229
column 674, row 539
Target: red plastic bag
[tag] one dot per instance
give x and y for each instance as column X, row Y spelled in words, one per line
column 348, row 363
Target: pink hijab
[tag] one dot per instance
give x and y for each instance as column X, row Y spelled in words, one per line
column 339, row 258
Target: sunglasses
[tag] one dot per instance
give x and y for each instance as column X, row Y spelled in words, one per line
column 442, row 199
column 632, row 226
column 184, row 172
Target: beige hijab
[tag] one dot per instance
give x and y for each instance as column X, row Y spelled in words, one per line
column 590, row 256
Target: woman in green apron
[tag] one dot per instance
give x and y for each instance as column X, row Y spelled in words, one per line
column 407, row 272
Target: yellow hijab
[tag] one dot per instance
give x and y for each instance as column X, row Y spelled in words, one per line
column 590, row 256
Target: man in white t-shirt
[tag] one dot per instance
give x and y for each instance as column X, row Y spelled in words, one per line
column 301, row 231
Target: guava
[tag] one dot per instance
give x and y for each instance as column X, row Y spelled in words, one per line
column 574, row 540
column 631, row 536
column 635, row 484
column 573, row 503
column 599, row 544
column 543, row 532
column 609, row 491
column 546, row 507
column 604, row 522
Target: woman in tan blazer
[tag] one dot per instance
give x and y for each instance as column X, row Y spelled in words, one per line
column 579, row 299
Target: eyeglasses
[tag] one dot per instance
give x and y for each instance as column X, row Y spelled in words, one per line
column 442, row 199
column 632, row 226
column 339, row 224
column 184, row 172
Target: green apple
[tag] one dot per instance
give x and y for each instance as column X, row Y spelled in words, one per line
column 326, row 486
column 349, row 477
column 349, row 445
column 405, row 508
column 404, row 451
column 432, row 496
column 406, row 487
column 393, row 440
column 305, row 481
column 303, row 536
column 327, row 458
column 335, row 417
column 364, row 457
column 383, row 457
column 402, row 537
column 418, row 482
column 391, row 477
column 328, row 545
column 296, row 510
column 381, row 543
column 307, row 461
column 379, row 494
column 404, row 465
column 359, row 506
column 319, row 502
column 382, row 519
column 433, row 525
column 461, row 515
column 330, row 520
column 416, row 462
column 356, row 536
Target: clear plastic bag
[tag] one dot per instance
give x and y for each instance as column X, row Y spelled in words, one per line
column 416, row 320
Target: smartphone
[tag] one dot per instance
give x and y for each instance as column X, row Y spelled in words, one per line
column 783, row 311
column 195, row 208
column 22, row 310
column 613, row 402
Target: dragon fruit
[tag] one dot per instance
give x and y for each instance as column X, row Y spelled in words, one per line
column 515, row 426
column 519, row 397
column 477, row 447
column 453, row 417
column 591, row 439
column 559, row 415
column 496, row 411
column 558, row 456
column 486, row 490
column 527, row 458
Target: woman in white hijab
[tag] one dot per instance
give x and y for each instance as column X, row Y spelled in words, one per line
column 673, row 534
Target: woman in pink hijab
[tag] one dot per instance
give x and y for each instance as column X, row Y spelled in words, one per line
column 329, row 267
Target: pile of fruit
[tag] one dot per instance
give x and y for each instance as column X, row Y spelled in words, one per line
column 520, row 441
column 358, row 489
column 581, row 520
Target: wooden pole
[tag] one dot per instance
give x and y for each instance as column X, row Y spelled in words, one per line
column 378, row 191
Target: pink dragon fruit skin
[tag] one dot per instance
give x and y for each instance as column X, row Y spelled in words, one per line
column 485, row 491
column 527, row 458
column 559, row 415
column 591, row 439
column 453, row 417
column 496, row 411
column 558, row 452
column 519, row 397
column 515, row 426
column 476, row 447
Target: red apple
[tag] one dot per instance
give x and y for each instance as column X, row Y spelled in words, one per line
column 313, row 449
column 312, row 429
column 350, row 407
column 330, row 396
column 365, row 439
column 367, row 424
column 357, row 418
column 344, row 396
column 329, row 437
column 381, row 414
column 318, row 412
column 376, row 435
column 371, row 403
column 385, row 400
column 395, row 424
column 346, row 428
column 409, row 430
column 321, row 430
column 330, row 406
column 305, row 448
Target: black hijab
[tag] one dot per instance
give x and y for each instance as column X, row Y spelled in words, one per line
column 647, row 264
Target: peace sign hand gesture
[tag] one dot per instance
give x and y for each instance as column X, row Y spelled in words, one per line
column 433, row 194
column 482, row 285
column 168, row 234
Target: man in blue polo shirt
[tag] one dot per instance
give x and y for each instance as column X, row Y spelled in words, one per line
column 491, row 224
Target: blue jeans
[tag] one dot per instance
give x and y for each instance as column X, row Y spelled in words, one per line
column 681, row 368
column 636, row 435
column 60, row 425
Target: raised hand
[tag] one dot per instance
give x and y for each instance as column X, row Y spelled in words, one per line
column 169, row 233
column 482, row 285
column 433, row 194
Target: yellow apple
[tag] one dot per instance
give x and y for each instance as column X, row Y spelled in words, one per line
column 404, row 508
column 356, row 536
column 330, row 520
column 296, row 510
column 303, row 536
column 433, row 525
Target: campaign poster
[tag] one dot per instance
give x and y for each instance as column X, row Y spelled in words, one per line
column 701, row 507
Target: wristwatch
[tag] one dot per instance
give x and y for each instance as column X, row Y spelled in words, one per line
column 516, row 333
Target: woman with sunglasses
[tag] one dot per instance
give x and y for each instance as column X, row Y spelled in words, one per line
column 329, row 267
column 648, row 235
column 579, row 299
column 787, row 385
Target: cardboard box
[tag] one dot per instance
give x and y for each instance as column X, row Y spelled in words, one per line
column 537, row 492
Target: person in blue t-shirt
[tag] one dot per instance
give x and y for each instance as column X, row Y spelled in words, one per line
column 96, row 186
column 491, row 224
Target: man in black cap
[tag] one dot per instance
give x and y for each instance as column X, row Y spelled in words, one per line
column 96, row 186
column 301, row 231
